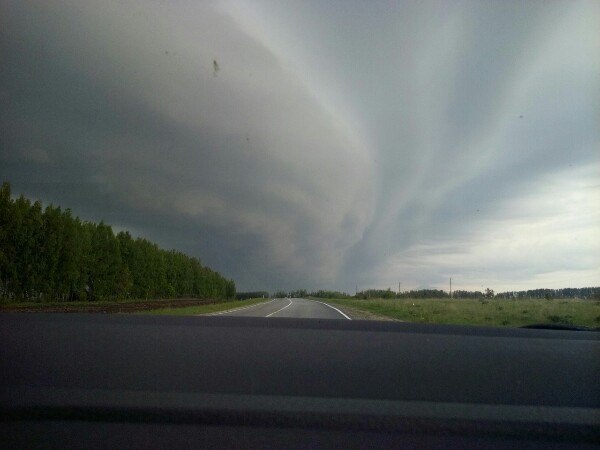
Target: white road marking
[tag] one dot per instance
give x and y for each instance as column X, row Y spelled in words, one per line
column 280, row 309
column 332, row 307
column 236, row 309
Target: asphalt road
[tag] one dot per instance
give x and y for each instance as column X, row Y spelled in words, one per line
column 300, row 308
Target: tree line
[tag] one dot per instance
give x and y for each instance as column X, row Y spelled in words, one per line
column 583, row 293
column 251, row 294
column 388, row 293
column 300, row 293
column 47, row 254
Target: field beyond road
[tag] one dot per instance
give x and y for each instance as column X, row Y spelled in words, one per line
column 488, row 312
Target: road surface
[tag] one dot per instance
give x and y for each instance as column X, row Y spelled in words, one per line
column 300, row 308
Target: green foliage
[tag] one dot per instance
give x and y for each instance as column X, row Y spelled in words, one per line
column 298, row 293
column 254, row 294
column 389, row 294
column 329, row 294
column 303, row 293
column 49, row 255
column 591, row 293
column 467, row 294
column 564, row 320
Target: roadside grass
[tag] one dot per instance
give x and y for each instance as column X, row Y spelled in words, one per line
column 489, row 312
column 205, row 309
column 115, row 306
column 47, row 304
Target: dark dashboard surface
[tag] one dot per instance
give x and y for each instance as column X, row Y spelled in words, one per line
column 224, row 378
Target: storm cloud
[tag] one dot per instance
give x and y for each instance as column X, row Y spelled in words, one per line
column 317, row 144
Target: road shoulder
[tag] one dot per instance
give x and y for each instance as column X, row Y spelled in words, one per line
column 358, row 314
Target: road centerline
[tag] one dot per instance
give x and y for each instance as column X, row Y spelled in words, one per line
column 289, row 304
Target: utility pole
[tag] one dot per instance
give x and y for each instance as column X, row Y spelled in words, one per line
column 399, row 285
column 450, row 287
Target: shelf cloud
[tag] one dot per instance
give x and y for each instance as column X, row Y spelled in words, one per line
column 318, row 144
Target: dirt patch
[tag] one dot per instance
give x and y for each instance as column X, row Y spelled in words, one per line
column 142, row 305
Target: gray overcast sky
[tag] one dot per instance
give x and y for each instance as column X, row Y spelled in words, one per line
column 338, row 143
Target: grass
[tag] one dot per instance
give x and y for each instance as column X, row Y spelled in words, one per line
column 45, row 304
column 205, row 309
column 163, row 306
column 490, row 312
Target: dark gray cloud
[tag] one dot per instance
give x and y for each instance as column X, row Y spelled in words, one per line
column 333, row 146
column 118, row 113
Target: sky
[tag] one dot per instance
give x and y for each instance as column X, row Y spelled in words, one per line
column 318, row 145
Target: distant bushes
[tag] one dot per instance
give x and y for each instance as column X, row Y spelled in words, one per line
column 255, row 294
column 376, row 293
column 329, row 294
column 388, row 293
column 468, row 294
column 47, row 254
column 300, row 293
column 583, row 293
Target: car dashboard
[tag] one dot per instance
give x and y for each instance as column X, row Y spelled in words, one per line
column 81, row 380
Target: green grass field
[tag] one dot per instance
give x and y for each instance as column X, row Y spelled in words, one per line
column 495, row 312
column 48, row 304
column 156, row 306
column 205, row 309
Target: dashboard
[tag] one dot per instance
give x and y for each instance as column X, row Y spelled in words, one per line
column 81, row 380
